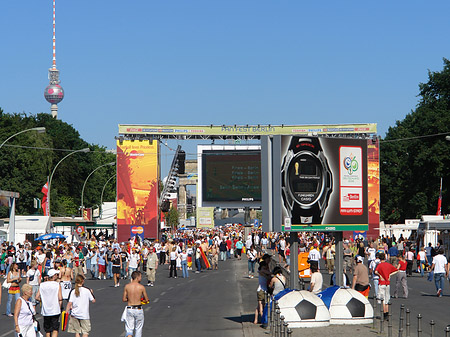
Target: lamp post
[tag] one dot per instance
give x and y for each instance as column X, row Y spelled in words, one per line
column 84, row 185
column 51, row 176
column 103, row 190
column 40, row 129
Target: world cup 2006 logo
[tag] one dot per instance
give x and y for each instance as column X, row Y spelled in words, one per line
column 351, row 164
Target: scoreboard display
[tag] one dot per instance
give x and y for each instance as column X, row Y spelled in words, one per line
column 231, row 175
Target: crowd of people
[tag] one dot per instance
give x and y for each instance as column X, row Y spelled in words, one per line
column 53, row 274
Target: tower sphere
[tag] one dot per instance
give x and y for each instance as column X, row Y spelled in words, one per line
column 54, row 93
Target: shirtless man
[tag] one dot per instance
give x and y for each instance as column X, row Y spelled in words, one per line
column 132, row 294
column 214, row 257
column 66, row 276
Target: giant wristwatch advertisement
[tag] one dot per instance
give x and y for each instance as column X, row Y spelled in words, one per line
column 324, row 182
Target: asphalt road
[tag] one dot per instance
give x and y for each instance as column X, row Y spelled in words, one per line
column 201, row 305
column 223, row 302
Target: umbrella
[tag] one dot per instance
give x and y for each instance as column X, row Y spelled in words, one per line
column 50, row 236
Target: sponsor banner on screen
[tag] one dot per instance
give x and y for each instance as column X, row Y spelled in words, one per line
column 256, row 130
column 137, row 188
column 324, row 183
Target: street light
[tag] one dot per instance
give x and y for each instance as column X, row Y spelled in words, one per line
column 51, row 176
column 103, row 190
column 40, row 129
column 82, row 191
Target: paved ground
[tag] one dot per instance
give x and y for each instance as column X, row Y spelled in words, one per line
column 222, row 303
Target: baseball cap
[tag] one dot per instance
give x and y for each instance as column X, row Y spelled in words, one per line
column 52, row 272
column 359, row 258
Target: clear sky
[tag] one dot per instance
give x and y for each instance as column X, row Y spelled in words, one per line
column 221, row 61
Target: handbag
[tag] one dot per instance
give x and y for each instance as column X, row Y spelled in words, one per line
column 6, row 285
column 37, row 326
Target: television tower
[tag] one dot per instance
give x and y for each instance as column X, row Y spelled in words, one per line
column 54, row 93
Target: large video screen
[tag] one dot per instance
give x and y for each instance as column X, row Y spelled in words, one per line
column 231, row 175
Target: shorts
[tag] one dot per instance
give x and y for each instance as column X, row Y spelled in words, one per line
column 384, row 293
column 81, row 326
column 22, row 265
column 260, row 294
column 51, row 323
column 116, row 270
column 102, row 268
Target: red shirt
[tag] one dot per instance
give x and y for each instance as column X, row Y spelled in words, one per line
column 403, row 265
column 385, row 269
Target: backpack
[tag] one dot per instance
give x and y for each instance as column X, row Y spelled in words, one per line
column 22, row 256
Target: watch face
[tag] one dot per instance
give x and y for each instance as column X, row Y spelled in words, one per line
column 305, row 178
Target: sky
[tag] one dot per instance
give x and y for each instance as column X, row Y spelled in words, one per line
column 221, row 61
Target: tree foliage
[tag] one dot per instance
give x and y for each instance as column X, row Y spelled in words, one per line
column 28, row 159
column 415, row 154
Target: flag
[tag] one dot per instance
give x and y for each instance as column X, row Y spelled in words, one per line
column 439, row 209
column 44, row 202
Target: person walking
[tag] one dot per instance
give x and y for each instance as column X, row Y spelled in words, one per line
column 361, row 277
column 252, row 255
column 385, row 270
column 401, row 277
column 421, row 258
column 152, row 266
column 50, row 295
column 34, row 279
column 133, row 292
column 24, row 313
column 440, row 268
column 409, row 261
column 13, row 277
column 78, row 306
column 184, row 267
column 173, row 262
column 116, row 260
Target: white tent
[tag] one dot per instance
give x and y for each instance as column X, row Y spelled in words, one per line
column 31, row 225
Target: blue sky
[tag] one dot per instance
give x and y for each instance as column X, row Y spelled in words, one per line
column 221, row 62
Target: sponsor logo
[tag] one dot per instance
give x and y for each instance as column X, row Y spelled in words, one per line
column 351, row 196
column 351, row 164
column 137, row 230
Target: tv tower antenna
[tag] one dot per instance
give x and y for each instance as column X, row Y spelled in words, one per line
column 54, row 93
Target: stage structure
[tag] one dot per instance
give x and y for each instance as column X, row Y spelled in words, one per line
column 311, row 174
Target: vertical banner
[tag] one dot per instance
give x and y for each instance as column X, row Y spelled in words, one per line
column 87, row 214
column 205, row 217
column 373, row 178
column 137, row 189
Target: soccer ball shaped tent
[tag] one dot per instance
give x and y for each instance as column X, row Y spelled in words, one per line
column 303, row 309
column 347, row 306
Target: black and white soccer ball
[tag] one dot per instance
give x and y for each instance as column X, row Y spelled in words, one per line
column 350, row 307
column 303, row 309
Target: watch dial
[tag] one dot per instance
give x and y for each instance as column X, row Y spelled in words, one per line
column 305, row 178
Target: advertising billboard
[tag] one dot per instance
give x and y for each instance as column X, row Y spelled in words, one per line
column 205, row 217
column 324, row 184
column 137, row 189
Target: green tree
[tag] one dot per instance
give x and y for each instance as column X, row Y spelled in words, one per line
column 172, row 218
column 27, row 160
column 413, row 162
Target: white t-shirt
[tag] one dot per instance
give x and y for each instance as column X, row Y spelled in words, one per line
column 421, row 256
column 49, row 297
column 314, row 255
column 317, row 280
column 439, row 262
column 80, row 304
column 133, row 261
column 282, row 244
column 36, row 273
column 184, row 256
column 371, row 251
